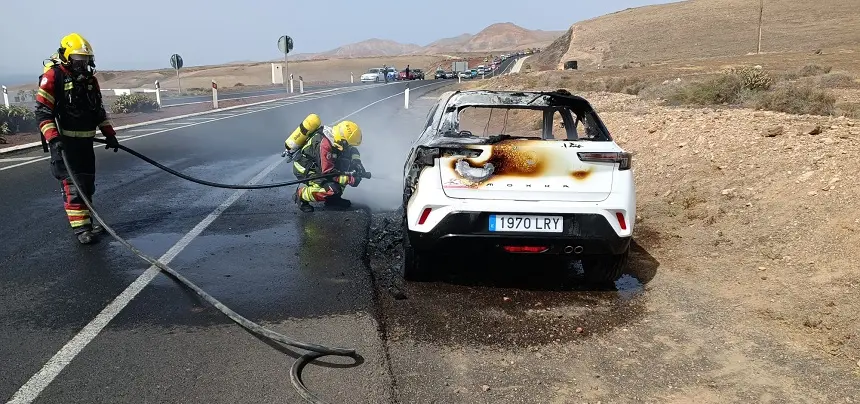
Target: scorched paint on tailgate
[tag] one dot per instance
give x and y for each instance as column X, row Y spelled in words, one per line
column 524, row 169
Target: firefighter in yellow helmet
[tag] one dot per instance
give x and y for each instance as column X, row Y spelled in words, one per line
column 321, row 149
column 69, row 109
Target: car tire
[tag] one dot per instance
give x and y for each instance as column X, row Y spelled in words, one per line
column 416, row 265
column 605, row 269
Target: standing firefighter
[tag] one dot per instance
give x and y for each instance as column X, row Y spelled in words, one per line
column 69, row 109
column 321, row 149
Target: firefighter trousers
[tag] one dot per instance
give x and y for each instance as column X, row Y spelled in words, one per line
column 82, row 160
column 318, row 191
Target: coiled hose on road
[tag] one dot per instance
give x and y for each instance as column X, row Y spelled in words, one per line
column 316, row 350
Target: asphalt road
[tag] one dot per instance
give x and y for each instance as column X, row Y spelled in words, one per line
column 300, row 274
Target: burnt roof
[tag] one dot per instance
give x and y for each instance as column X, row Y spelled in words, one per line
column 512, row 98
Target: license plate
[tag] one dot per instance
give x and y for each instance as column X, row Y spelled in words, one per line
column 539, row 224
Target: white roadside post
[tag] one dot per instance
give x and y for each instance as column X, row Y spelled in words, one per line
column 291, row 84
column 214, row 94
column 5, row 97
column 301, row 85
column 459, row 78
column 351, row 78
column 158, row 93
column 406, row 98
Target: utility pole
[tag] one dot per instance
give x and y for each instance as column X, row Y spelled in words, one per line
column 760, row 13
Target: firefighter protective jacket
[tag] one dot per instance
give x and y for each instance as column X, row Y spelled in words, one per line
column 76, row 105
column 320, row 156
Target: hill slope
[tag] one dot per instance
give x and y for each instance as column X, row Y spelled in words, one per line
column 370, row 47
column 496, row 37
column 706, row 28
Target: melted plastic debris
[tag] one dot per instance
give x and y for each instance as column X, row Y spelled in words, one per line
column 474, row 174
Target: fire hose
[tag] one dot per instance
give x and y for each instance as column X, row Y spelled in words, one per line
column 316, row 350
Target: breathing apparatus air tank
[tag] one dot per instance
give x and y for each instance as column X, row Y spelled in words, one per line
column 300, row 136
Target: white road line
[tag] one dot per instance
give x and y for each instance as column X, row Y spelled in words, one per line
column 11, row 159
column 156, row 132
column 201, row 118
column 31, row 390
column 176, row 123
column 142, row 130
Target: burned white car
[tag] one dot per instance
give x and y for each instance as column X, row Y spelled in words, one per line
column 517, row 173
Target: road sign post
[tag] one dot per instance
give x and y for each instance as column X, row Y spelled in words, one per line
column 285, row 45
column 177, row 63
column 5, row 97
column 214, row 94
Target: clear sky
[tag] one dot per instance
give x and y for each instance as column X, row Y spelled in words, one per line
column 143, row 34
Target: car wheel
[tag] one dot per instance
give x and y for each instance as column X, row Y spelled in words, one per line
column 605, row 269
column 416, row 265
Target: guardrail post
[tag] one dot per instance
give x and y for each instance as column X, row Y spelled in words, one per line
column 301, row 85
column 158, row 93
column 214, row 94
column 351, row 78
column 406, row 97
column 291, row 83
column 5, row 97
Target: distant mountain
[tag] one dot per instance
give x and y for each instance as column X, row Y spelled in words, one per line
column 370, row 47
column 497, row 37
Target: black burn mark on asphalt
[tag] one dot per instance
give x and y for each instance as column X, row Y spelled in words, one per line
column 500, row 302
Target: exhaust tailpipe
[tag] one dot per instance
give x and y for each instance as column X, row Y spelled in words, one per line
column 578, row 249
column 568, row 249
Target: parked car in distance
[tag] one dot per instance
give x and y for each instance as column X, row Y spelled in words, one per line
column 560, row 188
column 404, row 76
column 373, row 75
column 418, row 74
column 440, row 74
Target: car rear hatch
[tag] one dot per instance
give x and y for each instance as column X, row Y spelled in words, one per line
column 532, row 170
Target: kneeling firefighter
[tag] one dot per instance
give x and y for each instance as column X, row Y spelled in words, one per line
column 320, row 149
column 69, row 108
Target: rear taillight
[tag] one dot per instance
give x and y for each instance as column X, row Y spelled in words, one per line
column 621, row 221
column 525, row 249
column 424, row 215
column 623, row 159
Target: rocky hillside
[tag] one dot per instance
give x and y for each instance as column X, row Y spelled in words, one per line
column 707, row 28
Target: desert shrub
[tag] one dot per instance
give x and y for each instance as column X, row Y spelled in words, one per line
column 813, row 70
column 135, row 102
column 238, row 85
column 837, row 80
column 753, row 78
column 18, row 118
column 197, row 91
column 723, row 89
column 848, row 109
column 626, row 85
column 796, row 99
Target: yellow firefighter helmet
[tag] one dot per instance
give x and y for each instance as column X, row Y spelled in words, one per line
column 75, row 44
column 348, row 131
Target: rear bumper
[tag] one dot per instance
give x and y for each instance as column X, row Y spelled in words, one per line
column 584, row 234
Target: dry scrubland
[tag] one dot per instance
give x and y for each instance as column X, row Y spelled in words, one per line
column 706, row 28
column 748, row 181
